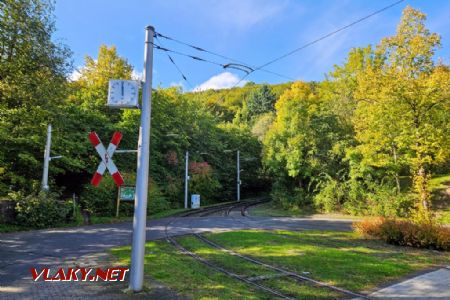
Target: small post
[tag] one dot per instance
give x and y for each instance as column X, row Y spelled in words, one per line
column 140, row 200
column 118, row 202
column 186, row 180
column 238, row 193
column 47, row 158
column 74, row 206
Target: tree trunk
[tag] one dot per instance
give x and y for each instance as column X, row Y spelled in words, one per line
column 423, row 188
column 424, row 213
column 397, row 179
column 397, row 182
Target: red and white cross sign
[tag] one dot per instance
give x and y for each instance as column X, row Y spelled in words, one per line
column 106, row 155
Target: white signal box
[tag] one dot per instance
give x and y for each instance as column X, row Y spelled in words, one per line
column 123, row 94
column 195, row 201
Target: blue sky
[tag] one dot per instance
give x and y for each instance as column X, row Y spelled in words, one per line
column 254, row 31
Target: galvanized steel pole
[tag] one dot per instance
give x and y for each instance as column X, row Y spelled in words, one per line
column 47, row 158
column 186, row 180
column 140, row 201
column 238, row 165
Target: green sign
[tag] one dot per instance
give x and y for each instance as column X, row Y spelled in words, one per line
column 126, row 193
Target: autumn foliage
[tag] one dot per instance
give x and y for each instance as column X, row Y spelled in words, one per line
column 405, row 233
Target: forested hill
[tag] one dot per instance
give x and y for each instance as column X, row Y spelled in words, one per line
column 227, row 102
column 365, row 140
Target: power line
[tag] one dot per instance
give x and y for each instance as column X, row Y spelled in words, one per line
column 176, row 66
column 186, row 55
column 239, row 67
column 321, row 38
column 221, row 55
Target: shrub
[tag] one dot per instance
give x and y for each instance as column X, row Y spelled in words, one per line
column 386, row 202
column 406, row 233
column 100, row 200
column 203, row 181
column 157, row 202
column 331, row 196
column 376, row 200
column 41, row 211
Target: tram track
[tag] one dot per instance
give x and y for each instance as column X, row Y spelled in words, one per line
column 242, row 207
column 227, row 209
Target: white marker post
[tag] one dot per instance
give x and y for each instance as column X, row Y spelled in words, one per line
column 238, row 167
column 140, row 201
column 186, row 180
column 47, row 158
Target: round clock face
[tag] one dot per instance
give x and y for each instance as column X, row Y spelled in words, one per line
column 123, row 93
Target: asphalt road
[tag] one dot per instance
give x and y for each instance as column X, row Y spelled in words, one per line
column 56, row 248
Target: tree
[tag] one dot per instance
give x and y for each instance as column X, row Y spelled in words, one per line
column 33, row 70
column 262, row 125
column 32, row 65
column 260, row 101
column 301, row 142
column 92, row 87
column 403, row 104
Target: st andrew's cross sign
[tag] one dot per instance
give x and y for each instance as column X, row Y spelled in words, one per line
column 106, row 155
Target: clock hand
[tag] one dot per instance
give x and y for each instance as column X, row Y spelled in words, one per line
column 122, row 89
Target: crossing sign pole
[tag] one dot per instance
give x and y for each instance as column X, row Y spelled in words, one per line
column 140, row 202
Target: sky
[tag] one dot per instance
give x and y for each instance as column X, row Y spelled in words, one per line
column 252, row 31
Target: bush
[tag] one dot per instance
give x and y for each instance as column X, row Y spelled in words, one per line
column 386, row 202
column 41, row 211
column 203, row 181
column 406, row 233
column 331, row 196
column 157, row 202
column 100, row 200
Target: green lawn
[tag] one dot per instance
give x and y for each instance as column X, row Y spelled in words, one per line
column 338, row 258
column 440, row 189
column 273, row 210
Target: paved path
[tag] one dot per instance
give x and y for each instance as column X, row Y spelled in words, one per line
column 432, row 285
column 64, row 247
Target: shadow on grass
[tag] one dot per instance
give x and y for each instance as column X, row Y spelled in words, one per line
column 338, row 258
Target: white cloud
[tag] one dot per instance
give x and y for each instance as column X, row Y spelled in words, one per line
column 221, row 81
column 136, row 75
column 179, row 84
column 75, row 75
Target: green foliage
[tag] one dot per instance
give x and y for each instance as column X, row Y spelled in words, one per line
column 342, row 143
column 203, row 182
column 403, row 105
column 157, row 202
column 42, row 210
column 303, row 141
column 262, row 125
column 32, row 85
column 90, row 90
column 330, row 196
column 100, row 200
column 260, row 101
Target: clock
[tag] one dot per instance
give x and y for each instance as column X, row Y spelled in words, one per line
column 123, row 94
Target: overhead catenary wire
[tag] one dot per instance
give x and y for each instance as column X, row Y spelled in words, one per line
column 157, row 34
column 249, row 69
column 186, row 55
column 176, row 66
column 239, row 67
column 321, row 38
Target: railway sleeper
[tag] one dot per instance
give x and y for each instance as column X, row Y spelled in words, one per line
column 266, row 277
